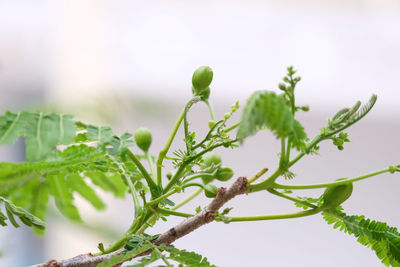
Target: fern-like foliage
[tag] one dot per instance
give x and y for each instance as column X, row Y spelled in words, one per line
column 26, row 218
column 187, row 258
column 60, row 175
column 348, row 116
column 268, row 110
column 164, row 252
column 42, row 131
column 378, row 236
column 126, row 255
column 90, row 153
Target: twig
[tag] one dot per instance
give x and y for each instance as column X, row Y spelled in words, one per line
column 187, row 226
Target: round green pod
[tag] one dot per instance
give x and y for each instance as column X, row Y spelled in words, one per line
column 201, row 79
column 224, row 174
column 211, row 158
column 337, row 194
column 210, row 190
column 143, row 138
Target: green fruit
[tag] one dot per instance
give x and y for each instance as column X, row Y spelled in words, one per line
column 210, row 190
column 201, row 79
column 224, row 174
column 143, row 138
column 336, row 195
column 211, row 158
column 207, row 179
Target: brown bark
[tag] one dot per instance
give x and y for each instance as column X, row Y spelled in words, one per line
column 182, row 229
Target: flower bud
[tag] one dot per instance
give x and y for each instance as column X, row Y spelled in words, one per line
column 210, row 190
column 201, row 79
column 224, row 174
column 143, row 138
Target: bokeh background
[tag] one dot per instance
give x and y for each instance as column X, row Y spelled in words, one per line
column 129, row 64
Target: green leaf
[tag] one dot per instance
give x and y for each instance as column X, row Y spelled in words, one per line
column 76, row 183
column 346, row 117
column 58, row 187
column 145, row 261
column 125, row 255
column 28, row 184
column 119, row 144
column 11, row 125
column 3, row 219
column 267, row 110
column 101, row 134
column 112, row 183
column 42, row 131
column 186, row 257
column 25, row 217
column 380, row 237
column 45, row 131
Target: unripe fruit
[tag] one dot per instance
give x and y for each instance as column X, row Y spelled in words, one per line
column 210, row 190
column 211, row 158
column 207, row 179
column 336, row 195
column 143, row 138
column 224, row 174
column 201, row 79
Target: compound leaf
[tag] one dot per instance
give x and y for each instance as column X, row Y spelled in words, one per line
column 378, row 236
column 267, row 110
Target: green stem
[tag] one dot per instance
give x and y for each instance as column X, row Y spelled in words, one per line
column 151, row 166
column 211, row 109
column 193, row 184
column 164, row 151
column 175, row 213
column 258, row 175
column 208, row 135
column 234, row 126
column 188, row 199
column 142, row 170
column 152, row 219
column 309, row 146
column 128, row 181
column 155, row 201
column 120, row 242
column 201, row 175
column 287, row 155
column 182, row 168
column 275, row 216
column 164, row 258
column 279, row 194
column 264, row 184
column 185, row 122
column 270, row 180
column 323, row 185
column 283, row 152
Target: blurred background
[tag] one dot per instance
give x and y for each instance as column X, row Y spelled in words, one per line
column 129, row 64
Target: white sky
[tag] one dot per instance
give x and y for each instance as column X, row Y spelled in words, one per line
column 344, row 50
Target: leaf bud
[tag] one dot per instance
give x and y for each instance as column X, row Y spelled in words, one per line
column 211, row 124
